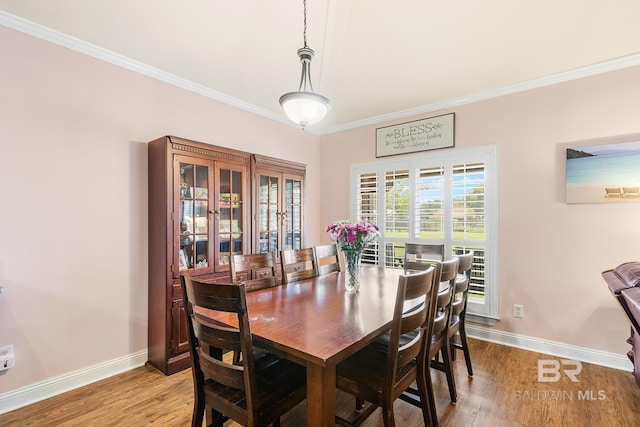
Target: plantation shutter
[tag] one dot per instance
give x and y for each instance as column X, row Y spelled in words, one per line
column 448, row 199
column 469, row 221
column 367, row 209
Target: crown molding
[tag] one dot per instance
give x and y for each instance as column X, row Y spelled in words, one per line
column 577, row 73
column 64, row 40
column 61, row 39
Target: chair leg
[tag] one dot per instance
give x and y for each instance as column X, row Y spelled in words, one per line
column 423, row 392
column 448, row 369
column 465, row 349
column 197, row 417
column 359, row 403
column 431, row 399
column 387, row 414
column 198, row 410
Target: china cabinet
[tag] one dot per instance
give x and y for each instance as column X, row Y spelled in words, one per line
column 278, row 188
column 198, row 215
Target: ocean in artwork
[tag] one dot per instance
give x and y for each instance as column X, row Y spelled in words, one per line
column 605, row 173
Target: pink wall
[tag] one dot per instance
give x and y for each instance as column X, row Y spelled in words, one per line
column 551, row 254
column 73, row 186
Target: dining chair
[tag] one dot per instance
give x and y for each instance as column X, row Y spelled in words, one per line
column 381, row 371
column 258, row 391
column 327, row 259
column 260, row 269
column 257, row 271
column 418, row 256
column 440, row 329
column 439, row 342
column 459, row 309
column 298, row 264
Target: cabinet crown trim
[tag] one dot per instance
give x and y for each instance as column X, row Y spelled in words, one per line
column 283, row 165
column 178, row 144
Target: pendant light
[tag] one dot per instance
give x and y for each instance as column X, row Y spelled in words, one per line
column 304, row 106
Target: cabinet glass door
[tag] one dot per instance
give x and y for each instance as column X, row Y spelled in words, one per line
column 292, row 223
column 192, row 225
column 268, row 213
column 230, row 214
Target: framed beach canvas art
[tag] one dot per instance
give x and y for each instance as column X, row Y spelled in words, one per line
column 607, row 173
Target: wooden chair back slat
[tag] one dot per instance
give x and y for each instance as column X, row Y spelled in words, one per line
column 327, row 259
column 298, row 264
column 261, row 269
column 418, row 256
column 221, row 372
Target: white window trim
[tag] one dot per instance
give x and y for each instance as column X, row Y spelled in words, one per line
column 487, row 154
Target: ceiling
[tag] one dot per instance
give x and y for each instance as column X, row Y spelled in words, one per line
column 376, row 60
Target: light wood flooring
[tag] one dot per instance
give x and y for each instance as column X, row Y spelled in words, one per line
column 504, row 391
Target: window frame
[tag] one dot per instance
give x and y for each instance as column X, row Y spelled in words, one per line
column 448, row 159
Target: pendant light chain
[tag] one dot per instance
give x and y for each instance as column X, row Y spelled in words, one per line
column 305, row 23
column 305, row 77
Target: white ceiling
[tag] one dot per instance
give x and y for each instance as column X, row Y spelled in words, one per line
column 375, row 59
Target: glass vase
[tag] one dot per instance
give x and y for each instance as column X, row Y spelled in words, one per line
column 352, row 269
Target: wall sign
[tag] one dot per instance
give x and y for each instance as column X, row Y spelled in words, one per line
column 421, row 135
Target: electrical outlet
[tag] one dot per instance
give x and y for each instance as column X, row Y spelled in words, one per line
column 7, row 358
column 518, row 311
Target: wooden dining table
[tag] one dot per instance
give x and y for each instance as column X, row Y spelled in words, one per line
column 317, row 323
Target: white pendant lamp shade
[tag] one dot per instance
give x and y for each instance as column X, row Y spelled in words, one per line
column 305, row 108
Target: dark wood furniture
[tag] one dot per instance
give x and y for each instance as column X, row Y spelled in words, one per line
column 198, row 215
column 261, row 272
column 319, row 324
column 383, row 370
column 457, row 332
column 327, row 259
column 298, row 264
column 418, row 256
column 439, row 342
column 624, row 283
column 255, row 392
column 257, row 271
column 278, row 200
column 442, row 320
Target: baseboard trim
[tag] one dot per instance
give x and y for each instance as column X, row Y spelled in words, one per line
column 39, row 391
column 583, row 354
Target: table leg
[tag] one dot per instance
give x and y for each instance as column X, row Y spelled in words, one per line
column 321, row 395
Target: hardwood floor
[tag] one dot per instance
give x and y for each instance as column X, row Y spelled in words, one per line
column 504, row 391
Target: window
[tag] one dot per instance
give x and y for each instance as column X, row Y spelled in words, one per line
column 448, row 198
